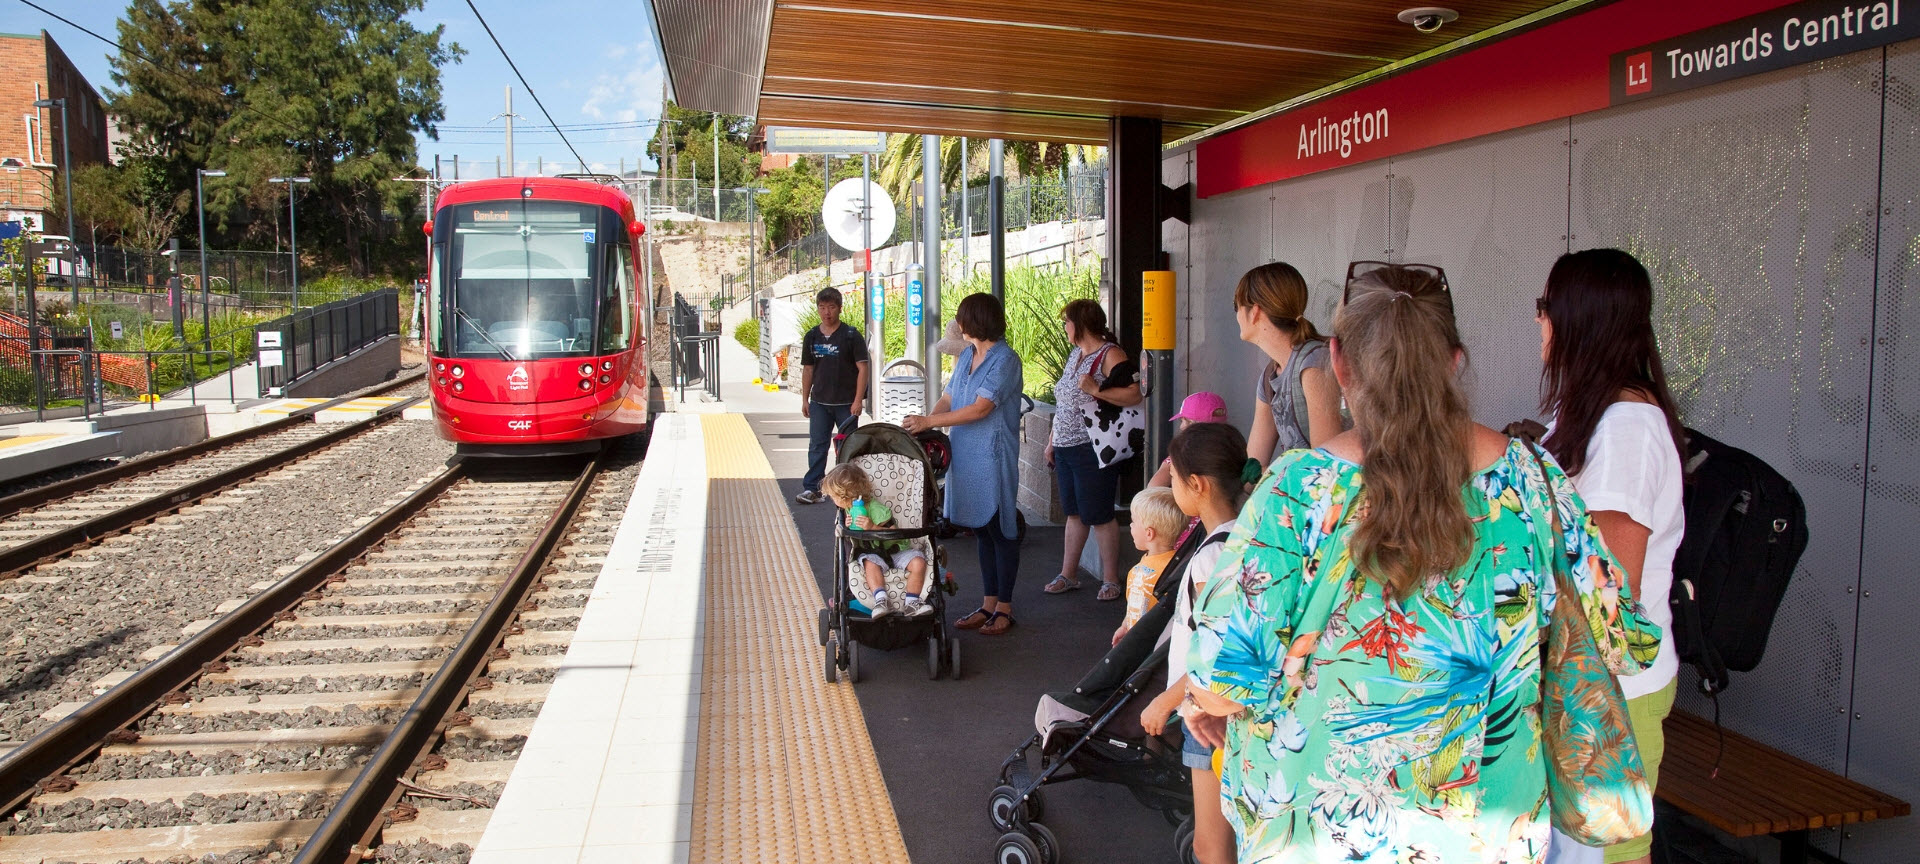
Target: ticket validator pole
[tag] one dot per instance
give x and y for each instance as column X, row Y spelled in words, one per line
column 1157, row 343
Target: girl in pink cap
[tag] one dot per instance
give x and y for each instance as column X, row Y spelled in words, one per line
column 1201, row 406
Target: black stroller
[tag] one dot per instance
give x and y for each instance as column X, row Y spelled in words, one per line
column 1092, row 732
column 904, row 471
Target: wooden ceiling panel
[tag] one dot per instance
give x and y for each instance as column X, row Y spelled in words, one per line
column 1360, row 27
column 953, row 96
column 1099, row 66
column 836, row 114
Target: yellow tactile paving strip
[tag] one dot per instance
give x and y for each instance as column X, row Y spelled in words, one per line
column 24, row 440
column 786, row 771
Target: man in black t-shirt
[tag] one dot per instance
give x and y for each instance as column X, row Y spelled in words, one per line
column 833, row 386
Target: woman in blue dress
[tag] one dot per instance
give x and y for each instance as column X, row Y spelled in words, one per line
column 982, row 407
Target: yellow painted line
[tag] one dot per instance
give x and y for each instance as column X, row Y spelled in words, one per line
column 786, row 770
column 23, row 440
column 288, row 406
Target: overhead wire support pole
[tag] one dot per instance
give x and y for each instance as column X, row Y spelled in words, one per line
column 716, row 166
column 523, row 82
column 930, row 263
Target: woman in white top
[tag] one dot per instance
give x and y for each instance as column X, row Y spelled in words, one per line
column 1618, row 435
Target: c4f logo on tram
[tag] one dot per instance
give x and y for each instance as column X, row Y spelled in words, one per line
column 517, row 379
column 520, row 425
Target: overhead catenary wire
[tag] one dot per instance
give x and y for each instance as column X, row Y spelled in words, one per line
column 523, row 81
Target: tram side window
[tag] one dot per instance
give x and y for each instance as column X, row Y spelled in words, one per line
column 616, row 307
column 436, row 331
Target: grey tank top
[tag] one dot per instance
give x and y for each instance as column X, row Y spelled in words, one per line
column 1280, row 389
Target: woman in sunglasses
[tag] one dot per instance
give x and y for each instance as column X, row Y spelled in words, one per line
column 1367, row 653
column 1618, row 435
column 1297, row 399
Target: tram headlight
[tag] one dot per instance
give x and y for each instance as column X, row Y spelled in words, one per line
column 586, row 370
column 443, row 380
column 458, row 371
column 586, row 384
column 457, row 387
column 606, row 379
column 439, row 367
column 606, row 365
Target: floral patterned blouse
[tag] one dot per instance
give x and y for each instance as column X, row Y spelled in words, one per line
column 1395, row 732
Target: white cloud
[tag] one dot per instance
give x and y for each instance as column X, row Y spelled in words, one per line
column 627, row 94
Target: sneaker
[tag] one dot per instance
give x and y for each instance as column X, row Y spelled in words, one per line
column 917, row 608
column 881, row 608
column 808, row 496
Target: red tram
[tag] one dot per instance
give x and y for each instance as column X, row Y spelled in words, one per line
column 536, row 327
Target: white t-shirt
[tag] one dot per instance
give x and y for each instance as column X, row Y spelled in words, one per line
column 1203, row 562
column 1633, row 468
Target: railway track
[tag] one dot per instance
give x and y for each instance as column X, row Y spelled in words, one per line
column 53, row 520
column 305, row 718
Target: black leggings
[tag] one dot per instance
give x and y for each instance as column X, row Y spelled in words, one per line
column 999, row 559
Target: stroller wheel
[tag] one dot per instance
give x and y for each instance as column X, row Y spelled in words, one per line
column 1017, row 848
column 1043, row 838
column 933, row 658
column 953, row 657
column 833, row 669
column 826, row 624
column 1183, row 841
column 853, row 663
column 1006, row 811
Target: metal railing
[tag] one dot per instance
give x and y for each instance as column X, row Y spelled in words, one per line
column 695, row 357
column 295, row 346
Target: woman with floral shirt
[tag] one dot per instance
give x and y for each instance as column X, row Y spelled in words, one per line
column 1372, row 634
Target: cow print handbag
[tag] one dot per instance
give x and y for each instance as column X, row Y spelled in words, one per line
column 1118, row 433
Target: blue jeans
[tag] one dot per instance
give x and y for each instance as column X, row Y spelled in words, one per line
column 825, row 420
column 999, row 560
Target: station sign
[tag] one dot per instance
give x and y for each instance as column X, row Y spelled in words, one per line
column 790, row 139
column 1157, row 332
column 1561, row 68
column 1788, row 36
column 916, row 299
column 877, row 304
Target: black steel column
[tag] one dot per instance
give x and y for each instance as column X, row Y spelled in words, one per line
column 1133, row 219
column 1133, row 245
column 996, row 219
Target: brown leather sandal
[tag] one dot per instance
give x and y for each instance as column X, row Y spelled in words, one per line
column 999, row 623
column 974, row 620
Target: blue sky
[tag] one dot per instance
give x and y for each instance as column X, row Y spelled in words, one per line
column 591, row 61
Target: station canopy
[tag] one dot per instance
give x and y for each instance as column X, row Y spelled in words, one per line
column 1049, row 70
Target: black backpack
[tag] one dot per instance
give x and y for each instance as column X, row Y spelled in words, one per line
column 1746, row 528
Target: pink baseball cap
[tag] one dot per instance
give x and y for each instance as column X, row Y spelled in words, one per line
column 1204, row 406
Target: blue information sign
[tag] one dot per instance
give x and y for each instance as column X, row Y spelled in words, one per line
column 878, row 304
column 916, row 294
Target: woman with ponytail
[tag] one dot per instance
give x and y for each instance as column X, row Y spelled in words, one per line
column 1297, row 400
column 1367, row 649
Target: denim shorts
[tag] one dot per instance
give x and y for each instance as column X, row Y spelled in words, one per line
column 1086, row 489
column 1194, row 754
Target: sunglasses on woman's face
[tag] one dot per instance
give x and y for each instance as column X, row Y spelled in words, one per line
column 1360, row 269
column 1540, row 305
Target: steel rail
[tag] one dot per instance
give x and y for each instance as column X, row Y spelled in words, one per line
column 91, row 480
column 66, row 742
column 361, row 811
column 67, row 539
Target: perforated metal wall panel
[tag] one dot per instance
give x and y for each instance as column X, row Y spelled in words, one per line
column 1752, row 204
column 1317, row 224
column 1493, row 213
column 1884, row 749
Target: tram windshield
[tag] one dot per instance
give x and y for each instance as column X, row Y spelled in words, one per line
column 521, row 279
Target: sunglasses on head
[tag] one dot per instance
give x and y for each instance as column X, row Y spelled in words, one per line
column 1360, row 269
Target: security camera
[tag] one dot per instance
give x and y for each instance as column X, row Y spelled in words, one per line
column 1428, row 19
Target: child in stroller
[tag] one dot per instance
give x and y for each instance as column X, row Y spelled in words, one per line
column 853, row 493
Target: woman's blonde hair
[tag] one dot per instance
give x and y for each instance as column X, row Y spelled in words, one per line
column 1398, row 341
column 1280, row 293
column 847, row 482
column 1156, row 508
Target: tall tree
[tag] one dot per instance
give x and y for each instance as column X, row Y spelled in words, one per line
column 330, row 89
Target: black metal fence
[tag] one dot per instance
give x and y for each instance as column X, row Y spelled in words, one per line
column 695, row 357
column 261, row 278
column 294, row 346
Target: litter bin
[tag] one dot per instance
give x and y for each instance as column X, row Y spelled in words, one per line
column 902, row 393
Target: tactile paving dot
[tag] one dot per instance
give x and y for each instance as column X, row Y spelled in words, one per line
column 784, row 756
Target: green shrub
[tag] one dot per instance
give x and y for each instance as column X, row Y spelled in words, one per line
column 1034, row 295
column 748, row 334
column 16, row 386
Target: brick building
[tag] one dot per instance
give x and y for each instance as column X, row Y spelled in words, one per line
column 34, row 68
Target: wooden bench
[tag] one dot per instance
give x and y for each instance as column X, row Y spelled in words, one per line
column 1761, row 790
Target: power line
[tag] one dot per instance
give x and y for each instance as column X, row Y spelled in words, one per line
column 577, row 127
column 523, row 81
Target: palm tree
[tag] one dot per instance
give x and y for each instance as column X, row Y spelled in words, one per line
column 900, row 165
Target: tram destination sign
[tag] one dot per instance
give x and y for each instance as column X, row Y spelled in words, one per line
column 791, row 139
column 1775, row 39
